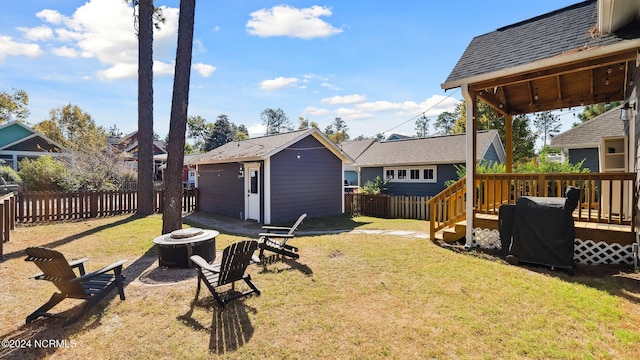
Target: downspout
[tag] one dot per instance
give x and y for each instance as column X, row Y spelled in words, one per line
column 470, row 164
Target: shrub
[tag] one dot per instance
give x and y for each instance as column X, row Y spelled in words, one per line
column 45, row 174
column 9, row 175
column 541, row 165
column 483, row 167
column 375, row 187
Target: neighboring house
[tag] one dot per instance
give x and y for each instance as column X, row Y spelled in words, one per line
column 18, row 141
column 354, row 149
column 189, row 174
column 584, row 141
column 273, row 178
column 419, row 166
column 129, row 146
column 393, row 137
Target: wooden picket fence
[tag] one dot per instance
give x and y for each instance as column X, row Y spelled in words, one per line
column 388, row 206
column 47, row 206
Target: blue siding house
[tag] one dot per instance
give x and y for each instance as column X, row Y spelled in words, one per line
column 274, row 178
column 18, row 141
column 584, row 141
column 419, row 166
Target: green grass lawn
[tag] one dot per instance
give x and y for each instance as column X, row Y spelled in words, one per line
column 349, row 296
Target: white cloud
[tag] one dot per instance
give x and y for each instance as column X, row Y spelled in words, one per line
column 119, row 71
column 352, row 114
column 205, row 70
column 284, row 20
column 198, row 47
column 160, row 68
column 37, row 33
column 343, row 100
column 278, row 83
column 8, row 47
column 66, row 52
column 257, row 130
column 65, row 35
column 311, row 76
column 331, row 86
column 314, row 111
column 433, row 106
column 104, row 30
column 51, row 16
column 381, row 105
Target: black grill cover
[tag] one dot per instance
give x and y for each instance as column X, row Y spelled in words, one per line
column 543, row 230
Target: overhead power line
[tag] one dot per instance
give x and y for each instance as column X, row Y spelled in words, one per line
column 424, row 112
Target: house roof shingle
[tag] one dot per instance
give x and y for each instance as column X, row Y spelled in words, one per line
column 556, row 33
column 355, row 148
column 590, row 133
column 260, row 148
column 434, row 150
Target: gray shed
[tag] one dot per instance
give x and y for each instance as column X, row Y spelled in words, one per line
column 273, row 178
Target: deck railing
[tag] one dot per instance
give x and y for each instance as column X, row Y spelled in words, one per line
column 7, row 219
column 448, row 207
column 605, row 197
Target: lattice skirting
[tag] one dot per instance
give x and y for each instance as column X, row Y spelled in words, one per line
column 585, row 251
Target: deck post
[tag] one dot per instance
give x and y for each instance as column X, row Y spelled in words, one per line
column 471, row 110
column 508, row 122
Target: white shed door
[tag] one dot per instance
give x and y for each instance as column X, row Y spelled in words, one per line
column 252, row 187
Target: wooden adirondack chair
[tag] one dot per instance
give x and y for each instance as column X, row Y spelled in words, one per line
column 235, row 259
column 91, row 287
column 275, row 239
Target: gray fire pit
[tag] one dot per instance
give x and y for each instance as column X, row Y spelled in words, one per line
column 175, row 249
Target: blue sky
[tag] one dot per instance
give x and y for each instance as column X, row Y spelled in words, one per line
column 376, row 64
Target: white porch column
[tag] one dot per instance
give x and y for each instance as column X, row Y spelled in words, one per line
column 470, row 165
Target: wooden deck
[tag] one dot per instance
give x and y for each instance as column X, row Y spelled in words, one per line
column 609, row 233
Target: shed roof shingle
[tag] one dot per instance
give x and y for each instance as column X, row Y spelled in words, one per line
column 260, row 148
column 590, row 133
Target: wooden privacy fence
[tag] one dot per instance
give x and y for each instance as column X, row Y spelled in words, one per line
column 7, row 219
column 388, row 206
column 46, row 206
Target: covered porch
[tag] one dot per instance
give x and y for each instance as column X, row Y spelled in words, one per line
column 584, row 54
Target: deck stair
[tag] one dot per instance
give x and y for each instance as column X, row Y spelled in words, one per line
column 452, row 234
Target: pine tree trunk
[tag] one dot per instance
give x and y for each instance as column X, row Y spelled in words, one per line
column 172, row 211
column 145, row 108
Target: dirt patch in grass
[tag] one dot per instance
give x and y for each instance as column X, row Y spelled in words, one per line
column 157, row 275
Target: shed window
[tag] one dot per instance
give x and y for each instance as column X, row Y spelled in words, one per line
column 254, row 181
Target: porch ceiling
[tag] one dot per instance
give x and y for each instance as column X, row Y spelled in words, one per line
column 570, row 84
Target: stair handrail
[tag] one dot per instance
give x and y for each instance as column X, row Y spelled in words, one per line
column 447, row 207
